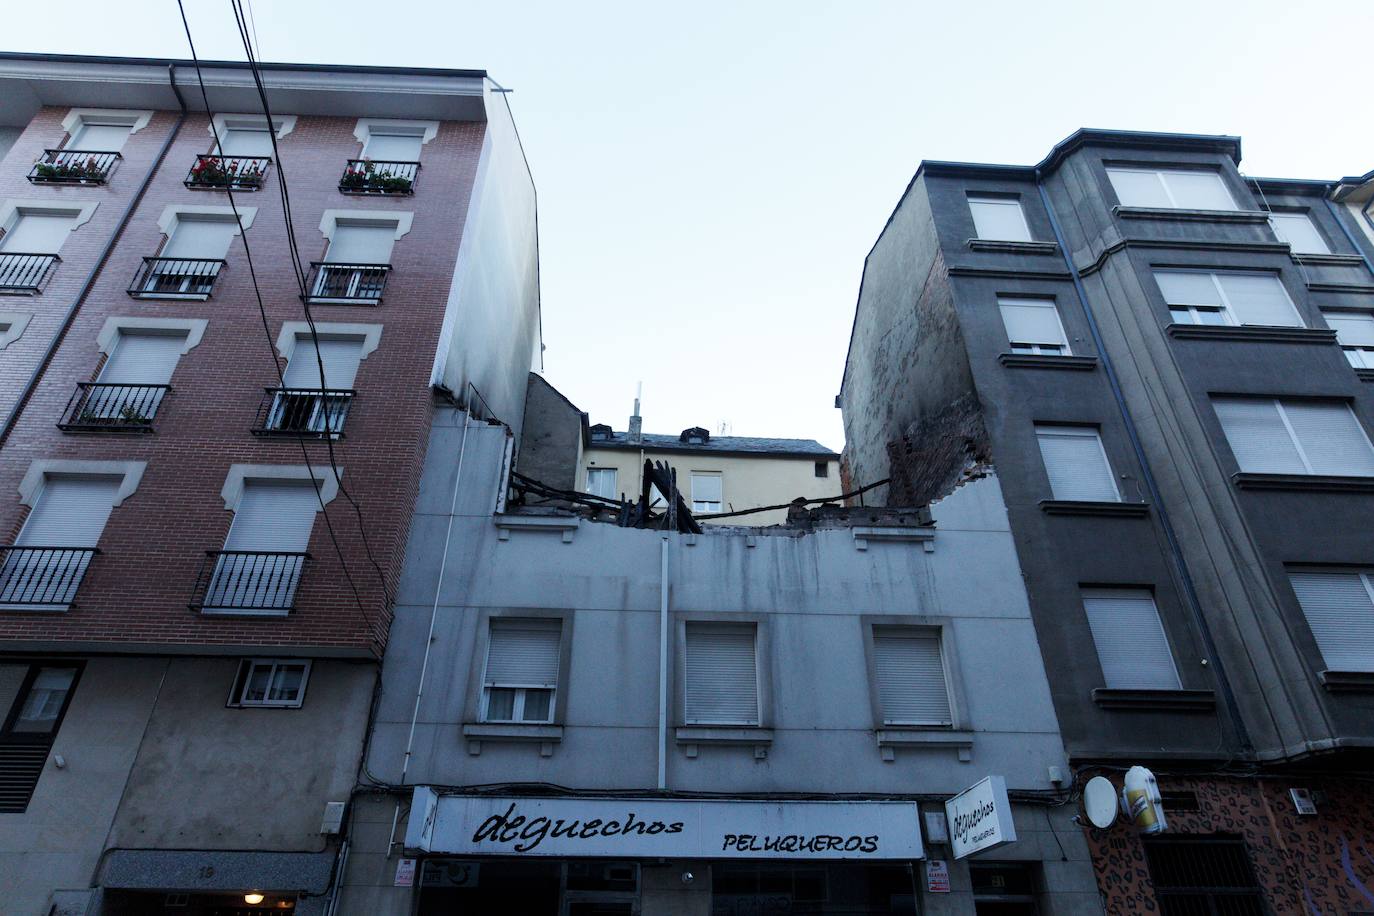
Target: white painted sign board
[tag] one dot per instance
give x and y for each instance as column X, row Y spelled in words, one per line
column 405, row 873
column 980, row 817
column 662, row 828
column 937, row 876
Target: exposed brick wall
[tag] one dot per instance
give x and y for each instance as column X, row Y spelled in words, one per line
column 935, row 454
column 137, row 590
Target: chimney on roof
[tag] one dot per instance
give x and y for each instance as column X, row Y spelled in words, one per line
column 636, row 432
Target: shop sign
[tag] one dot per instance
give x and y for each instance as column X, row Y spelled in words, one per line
column 980, row 817
column 662, row 828
column 937, row 876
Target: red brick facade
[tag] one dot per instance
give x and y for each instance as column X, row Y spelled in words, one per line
column 136, row 591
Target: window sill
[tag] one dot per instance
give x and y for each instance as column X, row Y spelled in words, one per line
column 194, row 297
column 691, row 736
column 1359, row 289
column 343, row 300
column 1348, row 681
column 1192, row 216
column 566, row 525
column 37, row 608
column 546, row 736
column 890, row 738
column 1315, row 483
column 923, row 536
column 1329, row 260
column 1251, row 333
column 1151, row 700
column 1095, row 508
column 1010, row 247
column 1047, row 361
column 1364, row 375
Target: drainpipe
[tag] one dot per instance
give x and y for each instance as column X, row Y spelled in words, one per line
column 1189, row 589
column 663, row 664
column 57, row 338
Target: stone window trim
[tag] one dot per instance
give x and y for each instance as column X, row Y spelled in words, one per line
column 167, row 222
column 137, row 118
column 760, row 736
column 13, row 208
column 282, row 124
column 129, row 472
column 17, row 323
column 400, row 219
column 545, row 734
column 192, row 328
column 425, row 130
column 232, row 491
column 943, row 627
column 291, row 331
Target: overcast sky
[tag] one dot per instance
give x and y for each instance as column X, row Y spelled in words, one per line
column 711, row 175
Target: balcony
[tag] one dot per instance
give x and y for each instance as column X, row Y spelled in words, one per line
column 347, row 284
column 176, row 278
column 73, row 167
column 232, row 173
column 24, row 273
column 44, row 578
column 316, row 412
column 98, row 407
column 247, row 582
column 367, row 176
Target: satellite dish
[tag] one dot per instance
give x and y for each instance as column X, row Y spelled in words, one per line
column 1099, row 802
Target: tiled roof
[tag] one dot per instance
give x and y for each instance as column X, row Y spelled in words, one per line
column 719, row 444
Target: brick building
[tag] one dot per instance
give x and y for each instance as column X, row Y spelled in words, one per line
column 167, row 446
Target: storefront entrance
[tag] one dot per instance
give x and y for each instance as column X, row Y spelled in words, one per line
column 812, row 888
column 530, row 887
column 1003, row 889
column 161, row 903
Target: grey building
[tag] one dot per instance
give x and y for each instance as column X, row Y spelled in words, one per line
column 1166, row 363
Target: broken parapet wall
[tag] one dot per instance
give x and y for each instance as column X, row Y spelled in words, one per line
column 555, row 430
column 932, row 456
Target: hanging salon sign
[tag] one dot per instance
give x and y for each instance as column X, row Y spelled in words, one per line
column 980, row 817
column 661, row 828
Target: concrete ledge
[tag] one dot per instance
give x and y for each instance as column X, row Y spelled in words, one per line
column 1156, row 700
column 892, row 738
column 1362, row 289
column 1006, row 247
column 1330, row 260
column 561, row 524
column 1348, row 681
column 1365, row 375
column 1192, row 216
column 208, row 870
column 1095, row 508
column 690, row 736
column 1009, row 273
column 923, row 536
column 1040, row 361
column 546, row 736
column 1317, row 483
column 1251, row 333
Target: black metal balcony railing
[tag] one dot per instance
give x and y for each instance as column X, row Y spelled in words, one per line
column 367, row 176
column 71, row 166
column 24, row 273
column 176, row 278
column 239, row 581
column 355, row 283
column 303, row 411
column 237, row 173
column 101, row 407
column 42, row 576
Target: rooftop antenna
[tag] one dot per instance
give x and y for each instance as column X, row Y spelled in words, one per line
column 636, row 433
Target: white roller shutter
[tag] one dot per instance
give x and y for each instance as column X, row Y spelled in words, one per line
column 99, row 138
column 1032, row 321
column 1130, row 639
column 273, row 517
column 359, row 244
column 1259, row 299
column 706, row 488
column 1257, row 435
column 1297, row 230
column 1353, row 329
column 1330, row 437
column 143, row 359
column 1138, row 188
column 38, row 233
column 71, row 512
column 341, row 359
column 1188, row 288
column 1076, row 464
column 1295, row 437
column 242, row 141
column 1198, row 190
column 199, row 238
column 1339, row 607
column 721, row 675
column 393, row 147
column 523, row 653
column 999, row 218
column 911, row 677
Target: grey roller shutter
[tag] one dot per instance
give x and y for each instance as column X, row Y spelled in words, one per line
column 393, row 147
column 199, row 238
column 99, row 138
column 38, row 233
column 273, row 517
column 243, row 141
column 1330, row 437
column 911, row 677
column 1130, row 639
column 1076, row 464
column 143, row 359
column 1032, row 321
column 340, row 356
column 721, row 675
column 1339, row 608
column 1257, row 436
column 523, row 653
column 999, row 218
column 1259, row 299
column 71, row 512
column 1353, row 329
column 355, row 243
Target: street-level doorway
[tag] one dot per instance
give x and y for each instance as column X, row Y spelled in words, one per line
column 530, row 887
column 176, row 903
column 763, row 888
column 1003, row 888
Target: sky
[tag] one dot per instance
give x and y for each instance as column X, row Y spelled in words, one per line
column 712, row 175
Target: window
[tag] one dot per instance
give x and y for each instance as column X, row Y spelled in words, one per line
column 1339, row 607
column 270, row 682
column 911, row 676
column 1355, row 334
column 307, row 402
column 1130, row 640
column 706, row 492
column 50, row 556
column 1230, row 299
column 245, row 141
column 1188, row 189
column 191, row 258
column 1299, row 232
column 1203, row 874
column 36, row 231
column 96, row 136
column 601, row 482
column 999, row 218
column 1003, row 888
column 356, row 263
column 259, row 568
column 33, row 701
column 720, row 676
column 822, row 468
column 393, row 146
column 521, row 674
column 1076, row 463
column 1275, row 436
column 135, row 376
column 1033, row 326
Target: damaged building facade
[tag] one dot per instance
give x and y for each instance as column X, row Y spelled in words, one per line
column 1166, row 365
column 578, row 716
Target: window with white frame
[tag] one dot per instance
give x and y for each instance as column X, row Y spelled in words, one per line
column 1076, row 463
column 308, row 402
column 1186, row 189
column 271, row 682
column 520, row 679
column 707, row 492
column 1355, row 334
column 57, row 540
column 1295, row 436
column 1131, row 645
column 1033, row 326
column 356, row 262
column 910, row 671
column 191, row 257
column 1339, row 607
column 1196, row 297
column 1298, row 230
column 999, row 218
column 260, row 566
column 720, row 678
column 601, row 482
